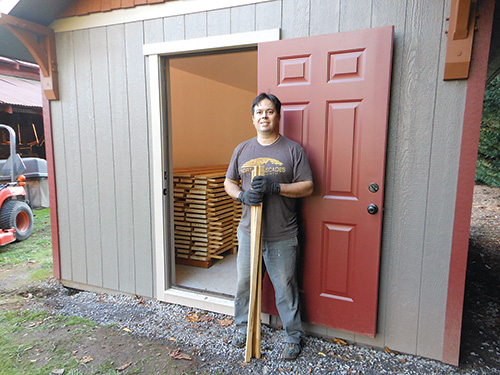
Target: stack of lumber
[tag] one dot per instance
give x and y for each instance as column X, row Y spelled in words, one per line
column 205, row 217
column 254, row 308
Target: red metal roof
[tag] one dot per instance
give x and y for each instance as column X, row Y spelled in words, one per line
column 16, row 91
column 18, row 68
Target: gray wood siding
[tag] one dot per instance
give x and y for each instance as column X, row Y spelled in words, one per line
column 268, row 15
column 140, row 161
column 196, row 25
column 219, row 22
column 413, row 137
column 102, row 153
column 105, row 184
column 101, row 143
column 87, row 142
column 243, row 19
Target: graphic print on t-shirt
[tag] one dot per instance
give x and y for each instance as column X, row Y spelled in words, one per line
column 272, row 166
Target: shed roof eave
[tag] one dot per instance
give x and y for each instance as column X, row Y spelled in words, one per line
column 42, row 12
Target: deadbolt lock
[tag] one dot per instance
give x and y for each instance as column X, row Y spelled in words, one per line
column 373, row 187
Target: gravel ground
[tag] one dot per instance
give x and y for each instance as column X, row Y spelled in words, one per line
column 206, row 337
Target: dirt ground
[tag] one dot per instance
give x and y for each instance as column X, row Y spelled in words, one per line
column 481, row 318
column 102, row 350
column 83, row 347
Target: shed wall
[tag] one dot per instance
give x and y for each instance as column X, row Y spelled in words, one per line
column 101, row 148
column 102, row 152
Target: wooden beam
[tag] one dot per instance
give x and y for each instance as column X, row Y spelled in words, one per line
column 254, row 306
column 460, row 37
column 54, row 221
column 40, row 41
column 29, row 41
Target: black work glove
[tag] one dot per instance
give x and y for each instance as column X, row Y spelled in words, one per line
column 265, row 185
column 250, row 197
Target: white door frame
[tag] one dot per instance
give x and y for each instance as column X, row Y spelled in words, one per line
column 162, row 224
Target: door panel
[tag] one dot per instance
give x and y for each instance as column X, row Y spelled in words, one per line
column 292, row 115
column 335, row 94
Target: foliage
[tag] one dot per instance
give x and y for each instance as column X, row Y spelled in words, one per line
column 37, row 248
column 488, row 158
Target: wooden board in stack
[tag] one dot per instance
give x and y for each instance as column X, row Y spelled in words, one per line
column 205, row 217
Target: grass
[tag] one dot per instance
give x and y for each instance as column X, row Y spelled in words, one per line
column 35, row 341
column 37, row 248
column 39, row 342
column 23, row 343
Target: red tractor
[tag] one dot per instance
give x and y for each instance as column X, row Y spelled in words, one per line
column 16, row 216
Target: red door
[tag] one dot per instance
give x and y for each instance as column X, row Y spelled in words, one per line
column 335, row 94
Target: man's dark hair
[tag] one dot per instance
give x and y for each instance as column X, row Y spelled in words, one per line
column 271, row 97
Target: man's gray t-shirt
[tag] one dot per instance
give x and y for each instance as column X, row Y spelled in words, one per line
column 285, row 161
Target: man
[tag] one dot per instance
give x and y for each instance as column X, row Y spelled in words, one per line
column 287, row 177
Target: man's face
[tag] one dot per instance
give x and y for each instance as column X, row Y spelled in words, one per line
column 265, row 119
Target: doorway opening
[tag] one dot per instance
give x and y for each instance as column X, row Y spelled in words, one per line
column 210, row 96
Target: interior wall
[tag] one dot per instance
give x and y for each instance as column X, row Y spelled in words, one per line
column 211, row 97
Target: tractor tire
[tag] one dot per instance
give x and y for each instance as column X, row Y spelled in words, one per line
column 17, row 215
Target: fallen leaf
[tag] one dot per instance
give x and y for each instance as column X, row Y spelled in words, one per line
column 86, row 359
column 225, row 322
column 140, row 300
column 339, row 342
column 205, row 318
column 321, row 353
column 339, row 357
column 59, row 371
column 172, row 339
column 192, row 317
column 126, row 329
column 176, row 354
column 33, row 325
column 125, row 366
column 390, row 351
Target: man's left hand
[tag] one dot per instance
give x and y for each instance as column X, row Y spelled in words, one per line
column 265, row 185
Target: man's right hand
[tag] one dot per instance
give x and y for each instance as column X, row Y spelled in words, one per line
column 250, row 197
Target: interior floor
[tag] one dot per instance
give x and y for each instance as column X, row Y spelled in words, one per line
column 220, row 278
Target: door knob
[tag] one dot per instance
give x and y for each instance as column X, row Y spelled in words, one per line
column 372, row 209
